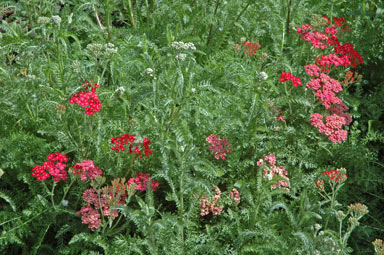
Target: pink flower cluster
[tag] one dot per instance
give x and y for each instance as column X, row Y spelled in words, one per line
column 100, row 201
column 130, row 139
column 289, row 77
column 272, row 170
column 235, row 196
column 141, row 181
column 90, row 100
column 317, row 38
column 346, row 54
column 340, row 109
column 312, row 70
column 326, row 87
column 86, row 169
column 57, row 170
column 207, row 207
column 331, row 127
column 219, row 146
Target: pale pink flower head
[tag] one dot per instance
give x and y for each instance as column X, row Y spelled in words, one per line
column 270, row 158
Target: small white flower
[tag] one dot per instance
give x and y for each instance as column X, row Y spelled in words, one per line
column 120, row 90
column 56, row 20
column 43, row 20
column 181, row 57
column 193, row 90
column 264, row 75
column 64, row 203
column 269, row 176
column 149, row 72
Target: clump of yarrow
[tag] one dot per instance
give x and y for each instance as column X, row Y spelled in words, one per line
column 181, row 57
column 54, row 20
column 99, row 50
column 183, row 46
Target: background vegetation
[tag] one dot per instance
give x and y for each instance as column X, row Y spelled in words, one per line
column 177, row 98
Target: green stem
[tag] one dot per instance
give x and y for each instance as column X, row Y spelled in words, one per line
column 211, row 27
column 80, row 138
column 130, row 165
column 242, row 11
column 331, row 207
column 288, row 17
column 181, row 213
column 67, row 189
column 131, row 14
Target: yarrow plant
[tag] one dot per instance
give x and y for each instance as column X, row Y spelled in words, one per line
column 325, row 87
column 141, row 181
column 219, row 146
column 207, row 207
column 134, row 147
column 56, row 170
column 331, row 127
column 289, row 77
column 86, row 169
column 379, row 246
column 272, row 170
column 89, row 100
column 251, row 47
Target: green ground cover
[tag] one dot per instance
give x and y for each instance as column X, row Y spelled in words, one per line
column 191, row 127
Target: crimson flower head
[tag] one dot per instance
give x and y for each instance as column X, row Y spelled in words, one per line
column 141, row 180
column 56, row 169
column 289, row 77
column 251, row 47
column 89, row 100
column 134, row 147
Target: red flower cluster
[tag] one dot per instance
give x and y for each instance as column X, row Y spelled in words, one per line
column 219, row 146
column 288, row 76
column 141, row 181
column 133, row 147
column 90, row 100
column 251, row 47
column 346, row 54
column 272, row 170
column 86, row 169
column 57, row 170
column 207, row 207
column 331, row 127
column 332, row 175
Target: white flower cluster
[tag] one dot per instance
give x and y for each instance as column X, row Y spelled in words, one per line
column 183, row 46
column 109, row 49
column 56, row 20
column 97, row 49
column 149, row 72
column 263, row 75
column 181, row 57
column 43, row 20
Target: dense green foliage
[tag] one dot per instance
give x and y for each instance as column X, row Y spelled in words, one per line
column 177, row 98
